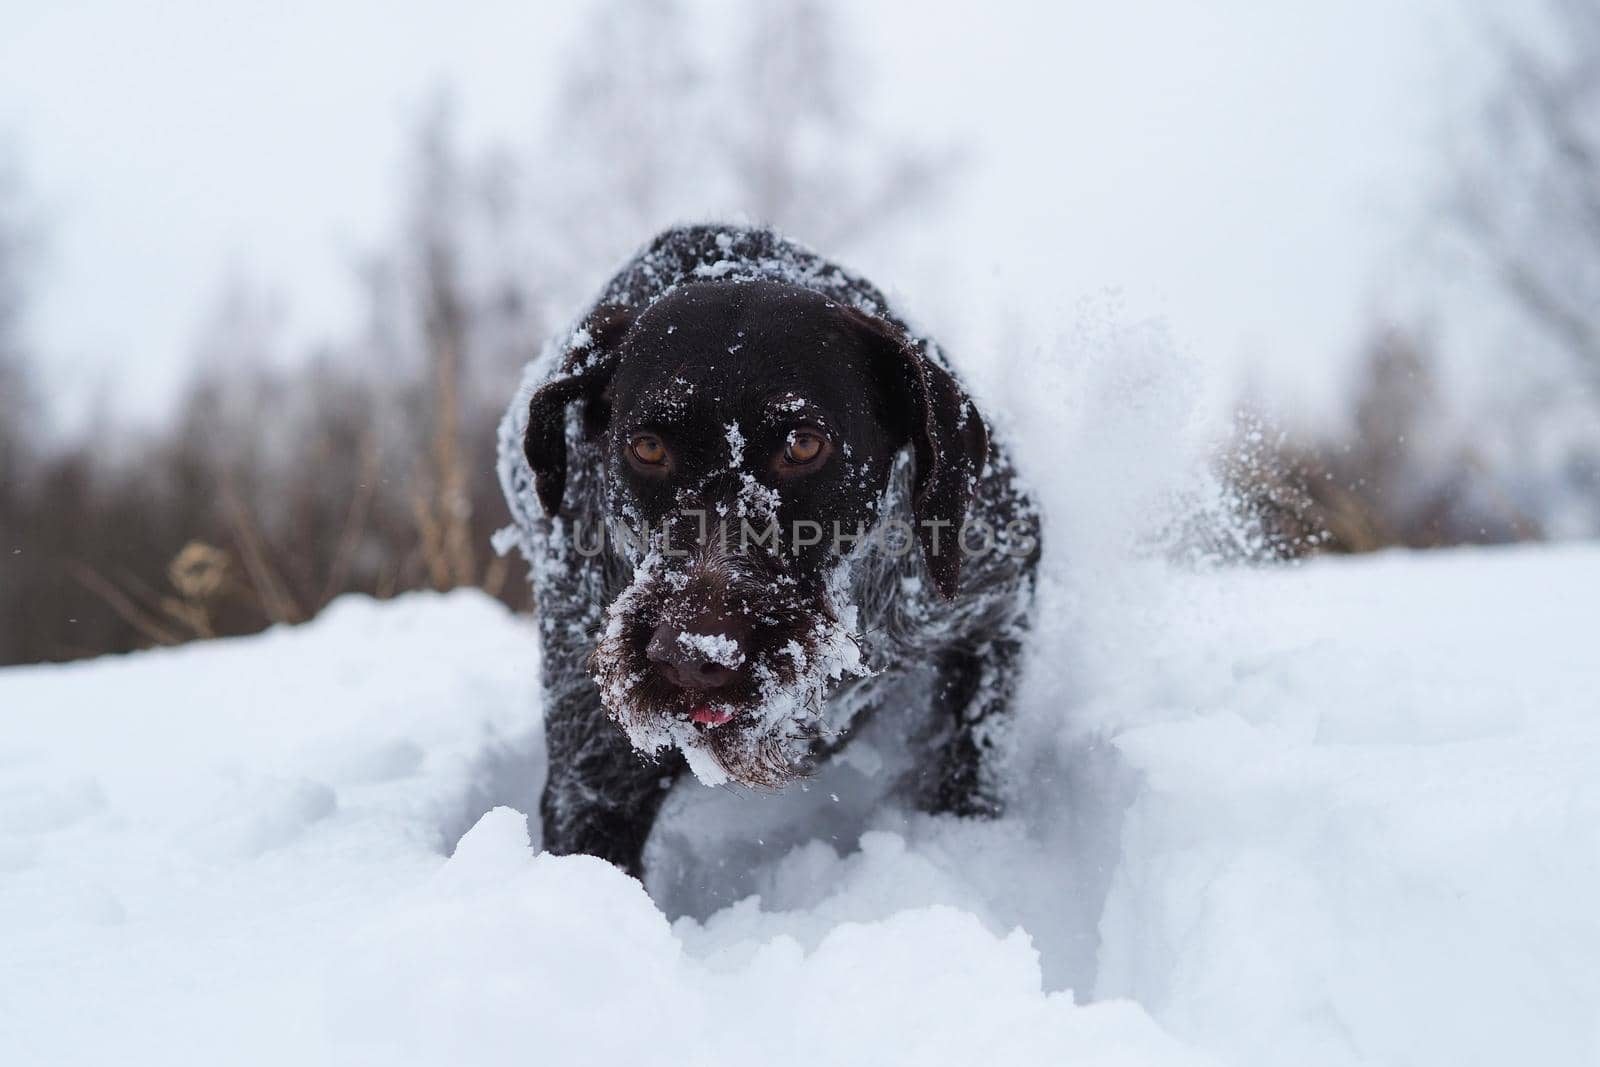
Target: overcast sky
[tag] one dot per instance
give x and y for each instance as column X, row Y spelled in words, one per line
column 1249, row 172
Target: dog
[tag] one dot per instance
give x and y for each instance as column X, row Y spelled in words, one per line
column 759, row 511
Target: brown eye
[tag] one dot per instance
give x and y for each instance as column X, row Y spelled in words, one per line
column 803, row 448
column 647, row 450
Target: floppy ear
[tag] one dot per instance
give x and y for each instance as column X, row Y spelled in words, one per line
column 585, row 371
column 948, row 438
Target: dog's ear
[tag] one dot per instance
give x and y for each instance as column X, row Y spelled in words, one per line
column 948, row 438
column 585, row 372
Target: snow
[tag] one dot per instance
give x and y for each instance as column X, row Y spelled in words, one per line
column 717, row 648
column 735, row 438
column 1341, row 814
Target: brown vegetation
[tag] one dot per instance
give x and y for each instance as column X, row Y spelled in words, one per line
column 1397, row 476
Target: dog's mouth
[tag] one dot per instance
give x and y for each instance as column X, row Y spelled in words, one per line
column 655, row 694
column 707, row 714
column 711, row 715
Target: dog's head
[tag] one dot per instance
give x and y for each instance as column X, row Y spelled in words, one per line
column 748, row 430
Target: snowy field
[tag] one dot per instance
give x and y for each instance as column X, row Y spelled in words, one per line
column 1342, row 814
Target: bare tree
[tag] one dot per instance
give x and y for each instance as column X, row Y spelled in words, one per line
column 1527, row 195
column 16, row 399
column 16, row 415
column 456, row 309
column 443, row 515
column 652, row 128
column 621, row 140
column 802, row 154
column 1524, row 191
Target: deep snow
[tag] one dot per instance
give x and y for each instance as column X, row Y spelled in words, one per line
column 1345, row 813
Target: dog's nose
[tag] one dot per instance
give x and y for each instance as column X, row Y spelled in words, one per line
column 705, row 655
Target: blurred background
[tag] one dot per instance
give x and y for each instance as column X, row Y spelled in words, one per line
column 269, row 272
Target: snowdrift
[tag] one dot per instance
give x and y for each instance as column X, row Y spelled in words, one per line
column 1341, row 814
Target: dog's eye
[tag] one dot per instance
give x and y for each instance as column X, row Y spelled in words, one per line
column 647, row 450
column 804, row 448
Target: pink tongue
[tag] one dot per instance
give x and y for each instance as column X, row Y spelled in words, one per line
column 710, row 716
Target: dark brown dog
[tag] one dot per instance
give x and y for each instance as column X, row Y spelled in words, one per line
column 762, row 505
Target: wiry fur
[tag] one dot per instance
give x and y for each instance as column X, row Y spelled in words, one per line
column 833, row 635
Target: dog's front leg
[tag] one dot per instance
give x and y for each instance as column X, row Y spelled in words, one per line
column 972, row 698
column 601, row 797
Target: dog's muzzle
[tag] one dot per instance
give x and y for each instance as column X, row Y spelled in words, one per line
column 727, row 658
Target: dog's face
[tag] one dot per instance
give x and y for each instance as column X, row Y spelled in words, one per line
column 748, row 432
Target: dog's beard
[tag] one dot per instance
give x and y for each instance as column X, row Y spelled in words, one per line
column 802, row 645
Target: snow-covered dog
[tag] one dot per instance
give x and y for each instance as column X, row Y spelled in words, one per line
column 758, row 510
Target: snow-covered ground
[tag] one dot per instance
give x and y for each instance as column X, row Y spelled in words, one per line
column 1342, row 814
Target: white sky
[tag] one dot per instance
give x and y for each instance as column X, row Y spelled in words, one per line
column 1248, row 171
